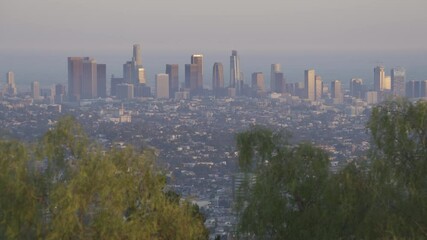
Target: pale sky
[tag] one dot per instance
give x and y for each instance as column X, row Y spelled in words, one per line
column 36, row 36
column 200, row 25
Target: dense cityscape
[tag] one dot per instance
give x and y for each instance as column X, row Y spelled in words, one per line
column 193, row 129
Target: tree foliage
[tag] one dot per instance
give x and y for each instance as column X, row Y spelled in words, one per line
column 65, row 187
column 295, row 196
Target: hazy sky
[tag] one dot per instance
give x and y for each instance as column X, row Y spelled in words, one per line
column 289, row 27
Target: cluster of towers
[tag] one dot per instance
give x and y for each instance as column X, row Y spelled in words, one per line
column 87, row 80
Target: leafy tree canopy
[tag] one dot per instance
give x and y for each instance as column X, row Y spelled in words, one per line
column 291, row 194
column 65, row 187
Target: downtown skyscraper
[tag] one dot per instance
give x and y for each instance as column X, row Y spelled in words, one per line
column 310, row 84
column 398, row 77
column 172, row 71
column 236, row 79
column 194, row 75
column 379, row 76
column 83, row 78
column 217, row 78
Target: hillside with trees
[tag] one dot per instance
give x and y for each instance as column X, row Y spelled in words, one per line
column 295, row 196
column 66, row 187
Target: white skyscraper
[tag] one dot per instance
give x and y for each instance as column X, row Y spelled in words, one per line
column 162, row 85
column 310, row 84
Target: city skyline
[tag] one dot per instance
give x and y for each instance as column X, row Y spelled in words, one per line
column 344, row 35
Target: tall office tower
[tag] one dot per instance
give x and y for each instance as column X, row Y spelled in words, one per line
column 125, row 91
column 142, row 90
column 172, row 71
column 197, row 59
column 310, row 84
column 75, row 76
column 101, row 80
column 387, row 83
column 258, row 82
column 89, row 79
column 217, row 78
column 162, row 85
column 279, row 82
column 319, row 87
column 235, row 77
column 128, row 71
column 11, row 86
column 191, row 73
column 379, row 76
column 398, row 75
column 356, row 88
column 35, row 89
column 423, row 91
column 275, row 68
column 115, row 81
column 59, row 93
column 140, row 73
column 410, row 89
column 336, row 92
column 417, row 89
column 137, row 56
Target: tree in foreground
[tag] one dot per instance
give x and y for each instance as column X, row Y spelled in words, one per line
column 68, row 188
column 295, row 196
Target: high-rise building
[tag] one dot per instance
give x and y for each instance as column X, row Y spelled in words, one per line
column 387, row 83
column 319, row 87
column 60, row 93
column 417, row 89
column 258, row 83
column 310, row 84
column 162, row 85
column 133, row 71
column 423, row 91
column 125, row 91
column 217, row 78
column 356, row 88
column 235, row 75
column 101, row 82
column 140, row 73
column 11, row 86
column 172, row 71
column 275, row 68
column 35, row 90
column 89, row 79
column 115, row 81
column 194, row 74
column 279, row 82
column 191, row 74
column 336, row 92
column 379, row 76
column 410, row 89
column 398, row 75
column 137, row 56
column 75, row 76
column 128, row 71
column 10, row 78
column 197, row 59
column 82, row 78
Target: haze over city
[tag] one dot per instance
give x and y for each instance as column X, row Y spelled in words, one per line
column 341, row 39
